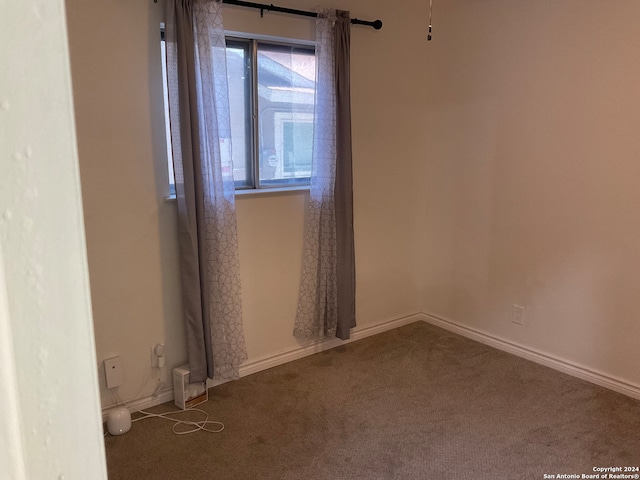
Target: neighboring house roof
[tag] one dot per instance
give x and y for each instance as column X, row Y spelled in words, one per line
column 274, row 74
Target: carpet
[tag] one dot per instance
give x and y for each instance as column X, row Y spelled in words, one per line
column 417, row 402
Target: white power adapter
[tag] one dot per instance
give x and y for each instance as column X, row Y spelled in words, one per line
column 158, row 351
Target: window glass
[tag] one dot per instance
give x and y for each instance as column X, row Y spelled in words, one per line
column 239, row 77
column 286, row 91
column 167, row 131
column 271, row 99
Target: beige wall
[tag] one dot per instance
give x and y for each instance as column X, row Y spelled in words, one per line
column 49, row 423
column 131, row 236
column 495, row 165
column 533, row 176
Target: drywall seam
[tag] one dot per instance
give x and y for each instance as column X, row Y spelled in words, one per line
column 562, row 365
column 280, row 358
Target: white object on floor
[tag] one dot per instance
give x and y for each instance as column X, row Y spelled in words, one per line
column 118, row 421
column 186, row 394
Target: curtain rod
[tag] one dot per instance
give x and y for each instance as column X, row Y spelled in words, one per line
column 377, row 24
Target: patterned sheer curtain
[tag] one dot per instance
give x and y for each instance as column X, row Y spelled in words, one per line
column 326, row 301
column 201, row 143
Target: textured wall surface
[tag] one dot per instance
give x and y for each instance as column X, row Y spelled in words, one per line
column 46, row 321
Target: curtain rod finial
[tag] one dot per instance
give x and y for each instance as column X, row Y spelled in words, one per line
column 377, row 24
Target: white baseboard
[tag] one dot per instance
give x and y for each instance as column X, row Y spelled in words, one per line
column 147, row 401
column 280, row 358
column 562, row 365
column 358, row 333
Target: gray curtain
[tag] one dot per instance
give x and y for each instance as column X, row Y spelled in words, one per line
column 201, row 145
column 346, row 268
column 326, row 301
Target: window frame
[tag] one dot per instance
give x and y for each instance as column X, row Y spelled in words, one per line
column 249, row 96
column 250, row 43
column 253, row 42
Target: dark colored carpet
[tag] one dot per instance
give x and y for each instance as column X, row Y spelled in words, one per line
column 417, row 402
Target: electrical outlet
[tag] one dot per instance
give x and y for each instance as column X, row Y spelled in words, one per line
column 517, row 315
column 113, row 372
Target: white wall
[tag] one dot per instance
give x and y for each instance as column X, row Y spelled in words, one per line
column 533, row 176
column 131, row 237
column 49, row 425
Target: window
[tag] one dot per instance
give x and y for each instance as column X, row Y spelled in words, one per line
column 165, row 91
column 271, row 95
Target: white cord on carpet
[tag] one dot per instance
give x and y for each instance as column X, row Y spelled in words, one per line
column 197, row 426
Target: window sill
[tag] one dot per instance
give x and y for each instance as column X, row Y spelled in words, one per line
column 259, row 192
column 262, row 192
